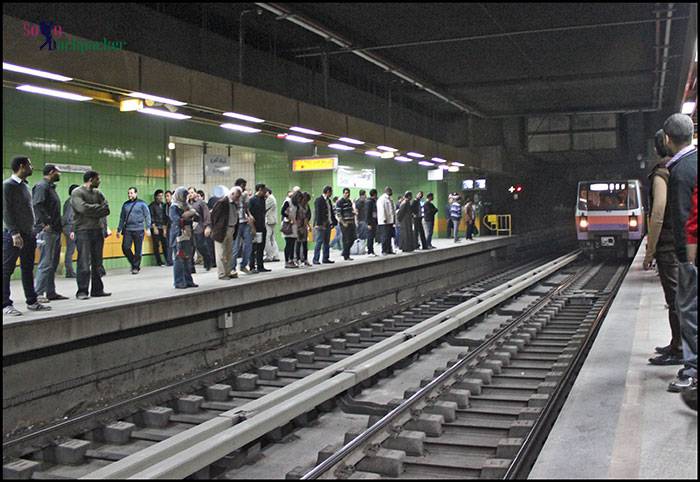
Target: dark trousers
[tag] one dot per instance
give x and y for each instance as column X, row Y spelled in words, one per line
column 70, row 249
column 289, row 249
column 201, row 244
column 90, row 244
column 160, row 241
column 256, row 260
column 470, row 229
column 9, row 259
column 135, row 238
column 371, row 232
column 387, row 234
column 349, row 237
column 667, row 263
column 420, row 233
column 302, row 250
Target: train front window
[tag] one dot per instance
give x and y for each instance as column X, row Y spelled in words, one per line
column 607, row 196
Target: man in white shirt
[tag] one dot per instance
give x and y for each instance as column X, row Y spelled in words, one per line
column 386, row 218
column 271, row 249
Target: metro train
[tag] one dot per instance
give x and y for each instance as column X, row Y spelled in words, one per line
column 610, row 217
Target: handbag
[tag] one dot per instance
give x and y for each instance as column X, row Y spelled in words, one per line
column 286, row 227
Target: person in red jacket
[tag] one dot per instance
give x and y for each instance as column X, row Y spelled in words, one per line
column 691, row 227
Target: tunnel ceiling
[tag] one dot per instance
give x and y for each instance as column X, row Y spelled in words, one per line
column 605, row 67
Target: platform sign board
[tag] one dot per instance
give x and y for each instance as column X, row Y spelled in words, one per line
column 217, row 164
column 326, row 163
column 361, row 178
column 480, row 184
column 73, row 167
column 474, row 185
column 468, row 184
column 436, row 175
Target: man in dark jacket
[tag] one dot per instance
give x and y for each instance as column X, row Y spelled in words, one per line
column 67, row 222
column 417, row 213
column 678, row 130
column 324, row 220
column 89, row 209
column 159, row 225
column 256, row 206
column 47, row 209
column 429, row 212
column 371, row 221
column 346, row 218
column 134, row 218
column 17, row 238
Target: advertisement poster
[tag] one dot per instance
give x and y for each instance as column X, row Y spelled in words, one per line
column 361, row 178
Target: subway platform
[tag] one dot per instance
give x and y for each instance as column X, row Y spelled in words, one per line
column 619, row 422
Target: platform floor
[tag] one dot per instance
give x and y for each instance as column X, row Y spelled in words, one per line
column 155, row 282
column 619, row 421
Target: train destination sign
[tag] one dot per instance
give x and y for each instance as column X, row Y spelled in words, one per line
column 315, row 163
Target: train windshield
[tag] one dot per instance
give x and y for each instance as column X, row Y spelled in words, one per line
column 607, row 196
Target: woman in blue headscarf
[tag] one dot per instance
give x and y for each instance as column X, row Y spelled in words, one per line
column 182, row 216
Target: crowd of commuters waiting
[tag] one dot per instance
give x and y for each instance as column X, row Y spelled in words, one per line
column 672, row 241
column 234, row 223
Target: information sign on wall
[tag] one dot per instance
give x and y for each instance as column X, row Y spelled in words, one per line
column 362, row 178
column 314, row 163
column 73, row 167
column 436, row 174
column 217, row 164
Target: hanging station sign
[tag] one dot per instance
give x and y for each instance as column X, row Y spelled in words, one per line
column 325, row 163
column 361, row 178
column 217, row 164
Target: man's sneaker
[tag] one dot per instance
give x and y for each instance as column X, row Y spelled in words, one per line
column 11, row 311
column 38, row 307
column 328, row 261
column 244, row 269
column 690, row 395
column 667, row 359
column 264, row 270
column 56, row 296
column 82, row 296
column 134, row 271
column 233, row 274
column 291, row 265
column 42, row 299
column 663, row 350
column 680, row 383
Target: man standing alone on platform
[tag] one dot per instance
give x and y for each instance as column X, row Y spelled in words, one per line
column 134, row 218
column 17, row 238
column 47, row 209
column 89, row 207
column 678, row 130
column 386, row 217
column 159, row 225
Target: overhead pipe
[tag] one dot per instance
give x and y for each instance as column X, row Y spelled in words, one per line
column 374, row 59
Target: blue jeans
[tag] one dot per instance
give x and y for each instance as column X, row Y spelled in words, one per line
column 337, row 242
column 243, row 245
column 687, row 308
column 181, row 264
column 362, row 230
column 49, row 254
column 429, row 227
column 455, row 228
column 322, row 238
column 9, row 260
column 70, row 249
column 135, row 237
column 90, row 244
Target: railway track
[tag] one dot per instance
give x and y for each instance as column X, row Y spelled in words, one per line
column 193, row 418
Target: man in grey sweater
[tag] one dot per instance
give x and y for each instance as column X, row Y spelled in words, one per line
column 89, row 207
column 17, row 236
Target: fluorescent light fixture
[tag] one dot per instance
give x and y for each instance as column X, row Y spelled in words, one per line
column 128, row 105
column 292, row 137
column 304, row 130
column 35, row 72
column 350, row 140
column 426, row 163
column 155, row 98
column 51, row 92
column 244, row 117
column 387, row 155
column 164, row 113
column 688, row 108
column 438, row 159
column 458, row 164
column 415, row 154
column 373, row 153
column 444, row 166
column 240, row 128
column 403, row 159
column 341, row 147
column 387, row 148
column 453, row 169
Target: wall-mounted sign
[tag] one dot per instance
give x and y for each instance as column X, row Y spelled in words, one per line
column 480, row 184
column 362, row 178
column 314, row 163
column 468, row 184
column 217, row 164
column 436, row 175
column 474, row 185
column 73, row 167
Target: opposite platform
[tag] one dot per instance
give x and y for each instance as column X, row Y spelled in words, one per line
column 619, row 421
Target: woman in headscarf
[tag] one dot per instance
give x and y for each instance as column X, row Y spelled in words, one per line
column 182, row 215
column 407, row 240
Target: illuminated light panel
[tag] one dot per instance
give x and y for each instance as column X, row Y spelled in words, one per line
column 155, row 98
column 53, row 93
column 438, row 159
column 35, row 72
column 240, row 128
column 128, row 105
column 426, row 163
column 458, row 164
column 350, row 140
column 304, row 130
column 415, row 154
column 341, row 147
column 444, row 166
column 373, row 153
column 387, row 149
column 164, row 113
column 453, row 169
column 688, row 108
column 244, row 117
column 403, row 159
column 293, row 138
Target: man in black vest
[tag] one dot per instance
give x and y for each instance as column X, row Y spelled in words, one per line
column 417, row 214
column 323, row 223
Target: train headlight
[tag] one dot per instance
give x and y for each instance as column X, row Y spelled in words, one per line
column 634, row 224
column 583, row 224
